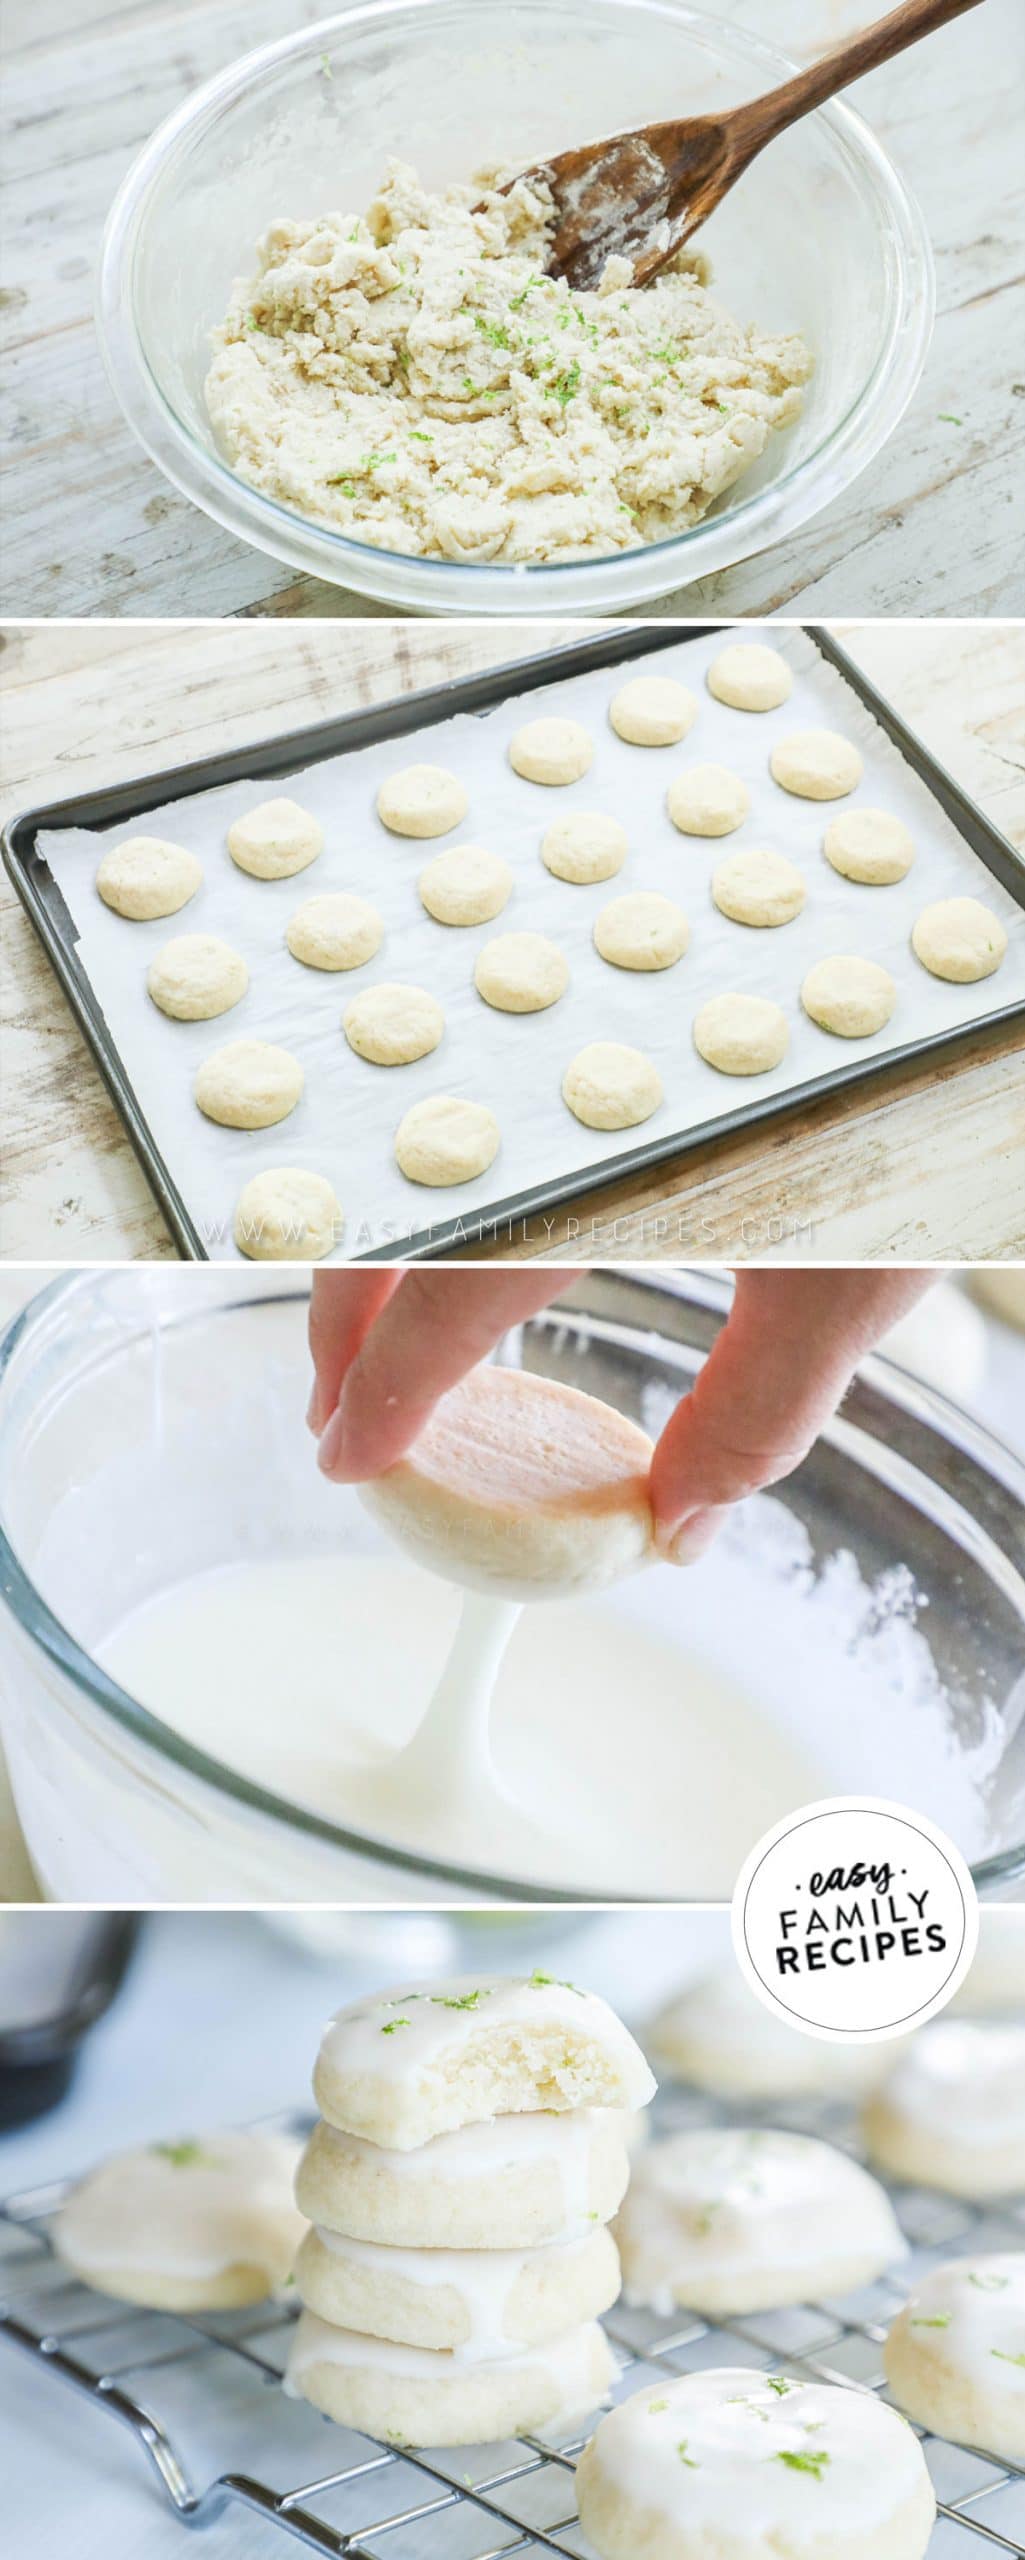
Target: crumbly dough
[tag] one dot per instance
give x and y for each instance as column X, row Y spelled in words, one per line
column 515, row 2182
column 446, row 1139
column 707, row 800
column 741, row 1035
column 337, row 931
column 551, row 751
column 952, row 2114
column 422, row 800
column 288, row 1215
column 816, row 764
column 758, row 887
column 413, row 2395
column 584, row 846
column 250, row 1084
column 717, row 2035
column 608, row 1085
column 466, row 885
column 848, row 996
column 147, row 877
column 955, row 2356
column 641, row 931
column 521, row 973
column 959, row 939
column 652, row 711
column 196, row 976
column 275, row 840
column 734, row 2222
column 392, row 1025
column 750, row 677
column 869, row 845
column 414, row 379
column 196, row 2224
column 472, row 2303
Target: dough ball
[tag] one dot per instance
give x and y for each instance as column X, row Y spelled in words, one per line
column 477, row 2303
column 337, row 931
column 196, row 976
column 750, row 677
column 552, row 751
column 466, row 885
column 520, row 1485
column 652, row 711
column 996, row 1979
column 423, row 800
column 392, row 1025
column 707, row 801
column 641, row 931
column 954, row 2358
column 611, row 1086
column 850, row 997
column 741, row 1035
column 756, row 887
column 249, row 1085
column 275, row 840
column 411, row 2395
column 584, row 846
column 515, row 2182
column 741, row 2464
column 816, row 765
column 960, row 939
column 286, row 1215
column 952, row 2114
column 730, row 2223
column 717, row 2036
column 867, row 844
column 146, row 877
column 521, row 973
column 197, row 2224
column 479, row 2046
column 445, row 1139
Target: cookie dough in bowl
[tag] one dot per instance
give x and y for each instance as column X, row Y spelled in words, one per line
column 641, row 931
column 466, row 885
column 609, row 1085
column 554, row 752
column 196, row 977
column 146, row 877
column 337, row 931
column 959, row 939
column 955, row 2356
column 198, row 2224
column 734, row 2222
column 952, row 2115
column 514, row 2182
column 706, row 800
column 750, row 677
column 422, row 800
column 446, row 1139
column 275, row 840
column 470, row 2303
column 287, row 1215
column 416, row 2395
column 250, row 1084
column 652, row 711
column 584, row 847
column 392, row 1025
column 741, row 1035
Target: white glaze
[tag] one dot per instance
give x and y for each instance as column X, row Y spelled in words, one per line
column 972, row 2312
column 562, row 2142
column 725, row 2205
column 483, row 2279
column 964, row 2081
column 737, row 2428
column 566, row 2359
column 187, row 2216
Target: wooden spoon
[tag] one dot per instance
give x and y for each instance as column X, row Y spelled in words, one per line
column 640, row 195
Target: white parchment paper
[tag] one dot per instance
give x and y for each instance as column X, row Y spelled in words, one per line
column 345, row 1122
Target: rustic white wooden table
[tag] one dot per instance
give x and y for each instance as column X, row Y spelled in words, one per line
column 93, row 528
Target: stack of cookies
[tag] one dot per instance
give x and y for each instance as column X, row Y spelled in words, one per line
column 471, row 2151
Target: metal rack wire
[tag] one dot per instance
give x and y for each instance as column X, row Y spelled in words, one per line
column 191, row 2391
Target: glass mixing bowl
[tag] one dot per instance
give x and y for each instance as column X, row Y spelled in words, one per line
column 151, row 1427
column 820, row 236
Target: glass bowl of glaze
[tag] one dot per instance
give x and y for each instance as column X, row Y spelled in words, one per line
column 861, row 1629
column 820, row 236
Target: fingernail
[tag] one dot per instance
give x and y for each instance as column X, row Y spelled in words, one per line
column 692, row 1537
column 313, row 1410
column 330, row 1449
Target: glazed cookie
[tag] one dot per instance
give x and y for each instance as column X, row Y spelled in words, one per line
column 521, row 973
column 196, row 977
column 816, row 765
column 584, row 846
column 717, row 2036
column 518, row 2182
column 466, row 885
column 953, row 2113
column 445, row 1139
column 392, row 1025
column 707, row 801
column 996, row 1980
column 741, row 1035
column 551, row 751
column 758, row 888
column 249, row 1085
column 732, row 2465
column 413, row 2395
column 955, row 2356
column 474, row 2303
column 336, row 931
column 641, row 931
column 652, row 711
column 288, row 1215
column 866, row 844
column 959, row 939
column 423, row 800
column 410, row 2064
column 750, row 677
column 520, row 1485
column 608, row 1085
column 850, row 997
column 197, row 2225
column 147, row 877
column 737, row 2222
column 275, row 840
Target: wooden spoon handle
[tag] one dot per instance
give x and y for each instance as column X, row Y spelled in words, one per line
column 756, row 123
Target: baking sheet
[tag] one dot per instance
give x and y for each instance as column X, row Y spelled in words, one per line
column 345, row 1122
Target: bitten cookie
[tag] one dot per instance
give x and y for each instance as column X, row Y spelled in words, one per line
column 953, row 2113
column 515, row 2182
column 473, row 2303
column 411, row 2395
column 955, row 2356
column 194, row 2225
column 731, row 2222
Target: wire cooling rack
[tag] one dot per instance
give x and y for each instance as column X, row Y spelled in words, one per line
column 193, row 2394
